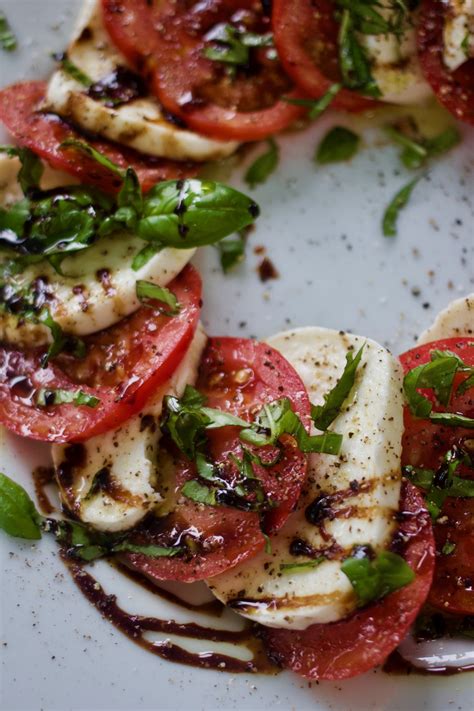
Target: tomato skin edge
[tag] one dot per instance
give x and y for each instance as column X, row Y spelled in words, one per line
column 350, row 647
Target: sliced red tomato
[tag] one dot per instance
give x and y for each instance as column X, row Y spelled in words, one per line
column 306, row 34
column 124, row 365
column 166, row 41
column 43, row 133
column 453, row 89
column 424, row 445
column 340, row 650
column 237, row 376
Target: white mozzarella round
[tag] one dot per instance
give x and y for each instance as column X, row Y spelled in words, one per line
column 367, row 470
column 98, row 285
column 140, row 123
column 457, row 319
column 395, row 65
column 458, row 33
column 127, row 457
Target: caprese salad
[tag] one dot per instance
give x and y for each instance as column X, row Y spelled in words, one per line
column 320, row 486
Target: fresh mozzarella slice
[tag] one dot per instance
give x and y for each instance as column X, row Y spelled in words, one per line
column 395, row 65
column 140, row 123
column 112, row 481
column 97, row 287
column 457, row 319
column 458, row 33
column 356, row 494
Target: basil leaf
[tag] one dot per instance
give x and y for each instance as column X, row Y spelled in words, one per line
column 31, row 170
column 232, row 252
column 91, row 152
column 47, row 398
column 289, row 568
column 443, row 483
column 448, row 548
column 317, row 106
column 144, row 256
column 389, row 222
column 338, row 145
column 130, row 195
column 452, row 420
column 264, row 165
column 151, row 551
column 72, row 70
column 18, row 515
column 60, row 340
column 443, row 142
column 231, row 45
column 268, row 544
column 324, row 415
column 194, row 213
column 374, row 579
column 416, row 153
column 199, row 493
column 277, row 419
column 353, row 62
column 218, row 419
column 8, row 40
column 149, row 293
column 437, row 375
column 466, row 384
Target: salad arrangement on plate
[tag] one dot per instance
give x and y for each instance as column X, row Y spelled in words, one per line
column 319, row 485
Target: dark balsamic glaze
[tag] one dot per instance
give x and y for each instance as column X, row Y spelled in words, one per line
column 135, row 627
column 119, row 87
column 42, row 476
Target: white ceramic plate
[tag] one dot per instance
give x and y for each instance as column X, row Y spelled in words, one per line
column 321, row 228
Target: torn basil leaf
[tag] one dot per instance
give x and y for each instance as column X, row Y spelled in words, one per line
column 31, row 170
column 61, row 341
column 91, row 152
column 18, row 515
column 232, row 46
column 437, row 375
column 289, row 568
column 340, row 144
column 443, row 483
column 375, row 578
column 144, row 255
column 232, row 252
column 71, row 69
column 417, row 152
column 324, row 415
column 151, row 551
column 390, row 218
column 8, row 41
column 264, row 165
column 47, row 398
column 199, row 493
column 353, row 61
column 316, row 106
column 149, row 293
column 276, row 419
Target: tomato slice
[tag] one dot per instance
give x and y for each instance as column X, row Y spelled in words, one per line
column 167, row 40
column 43, row 133
column 453, row 89
column 237, row 376
column 124, row 365
column 340, row 650
column 306, row 34
column 424, row 445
